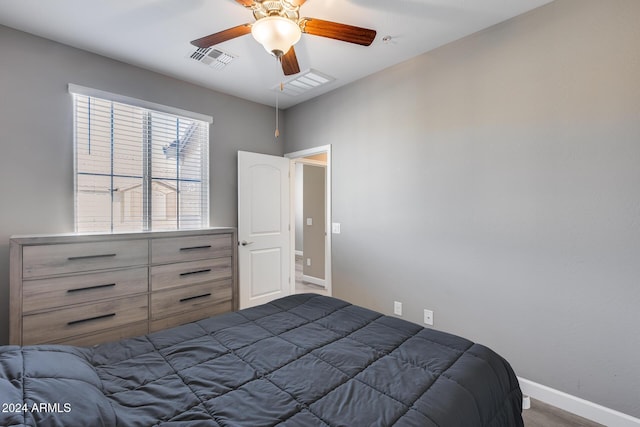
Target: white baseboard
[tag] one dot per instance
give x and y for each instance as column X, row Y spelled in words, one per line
column 575, row 405
column 314, row 280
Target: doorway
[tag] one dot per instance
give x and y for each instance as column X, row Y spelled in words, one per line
column 310, row 196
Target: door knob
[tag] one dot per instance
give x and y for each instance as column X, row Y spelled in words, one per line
column 245, row 243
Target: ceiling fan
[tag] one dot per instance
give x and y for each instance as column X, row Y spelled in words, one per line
column 278, row 27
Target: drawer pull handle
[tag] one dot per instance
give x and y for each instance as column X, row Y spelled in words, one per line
column 104, row 316
column 195, row 297
column 194, row 248
column 90, row 288
column 76, row 258
column 195, row 272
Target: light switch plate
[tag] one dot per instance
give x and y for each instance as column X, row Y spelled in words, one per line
column 335, row 228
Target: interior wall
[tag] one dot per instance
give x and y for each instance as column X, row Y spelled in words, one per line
column 36, row 156
column 314, row 208
column 299, row 207
column 495, row 181
column 299, row 198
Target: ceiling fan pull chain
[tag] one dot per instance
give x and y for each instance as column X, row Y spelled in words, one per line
column 277, row 109
column 277, row 130
column 277, row 133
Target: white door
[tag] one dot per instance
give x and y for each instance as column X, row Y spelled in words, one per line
column 263, row 228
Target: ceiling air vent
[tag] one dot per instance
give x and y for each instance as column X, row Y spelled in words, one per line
column 214, row 58
column 304, row 82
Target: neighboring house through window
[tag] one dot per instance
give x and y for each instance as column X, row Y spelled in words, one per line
column 138, row 166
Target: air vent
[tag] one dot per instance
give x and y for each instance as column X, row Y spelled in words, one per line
column 214, row 58
column 304, row 82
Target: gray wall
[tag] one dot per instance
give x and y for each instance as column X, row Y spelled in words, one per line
column 299, row 205
column 496, row 181
column 36, row 138
column 314, row 207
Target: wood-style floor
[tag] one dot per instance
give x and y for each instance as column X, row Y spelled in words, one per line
column 543, row 415
column 304, row 287
column 539, row 415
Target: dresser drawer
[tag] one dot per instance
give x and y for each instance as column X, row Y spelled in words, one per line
column 189, row 298
column 116, row 334
column 64, row 323
column 49, row 260
column 42, row 294
column 190, row 248
column 189, row 273
column 190, row 316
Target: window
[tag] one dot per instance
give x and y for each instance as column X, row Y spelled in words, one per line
column 138, row 168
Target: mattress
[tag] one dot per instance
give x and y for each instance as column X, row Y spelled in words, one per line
column 303, row 360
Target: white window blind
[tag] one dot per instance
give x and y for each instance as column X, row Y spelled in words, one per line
column 138, row 169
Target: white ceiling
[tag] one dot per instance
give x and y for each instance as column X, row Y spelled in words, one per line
column 155, row 34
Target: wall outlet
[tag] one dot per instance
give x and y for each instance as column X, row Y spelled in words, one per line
column 397, row 308
column 308, row 262
column 428, row 317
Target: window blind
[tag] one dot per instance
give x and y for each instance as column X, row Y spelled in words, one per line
column 138, row 169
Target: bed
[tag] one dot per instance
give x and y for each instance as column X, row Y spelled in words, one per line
column 304, row 360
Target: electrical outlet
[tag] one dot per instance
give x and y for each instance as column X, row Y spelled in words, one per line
column 397, row 308
column 308, row 262
column 428, row 317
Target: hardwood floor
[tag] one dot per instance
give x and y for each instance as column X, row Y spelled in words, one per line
column 304, row 287
column 543, row 415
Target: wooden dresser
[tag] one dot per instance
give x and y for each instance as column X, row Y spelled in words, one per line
column 86, row 289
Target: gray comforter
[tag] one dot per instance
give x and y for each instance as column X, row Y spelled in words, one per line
column 304, row 360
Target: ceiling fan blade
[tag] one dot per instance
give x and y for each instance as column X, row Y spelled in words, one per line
column 246, row 3
column 222, row 36
column 334, row 30
column 290, row 63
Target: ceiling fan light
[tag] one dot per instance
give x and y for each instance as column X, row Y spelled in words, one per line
column 276, row 34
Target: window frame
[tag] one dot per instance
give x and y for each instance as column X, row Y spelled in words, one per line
column 151, row 108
